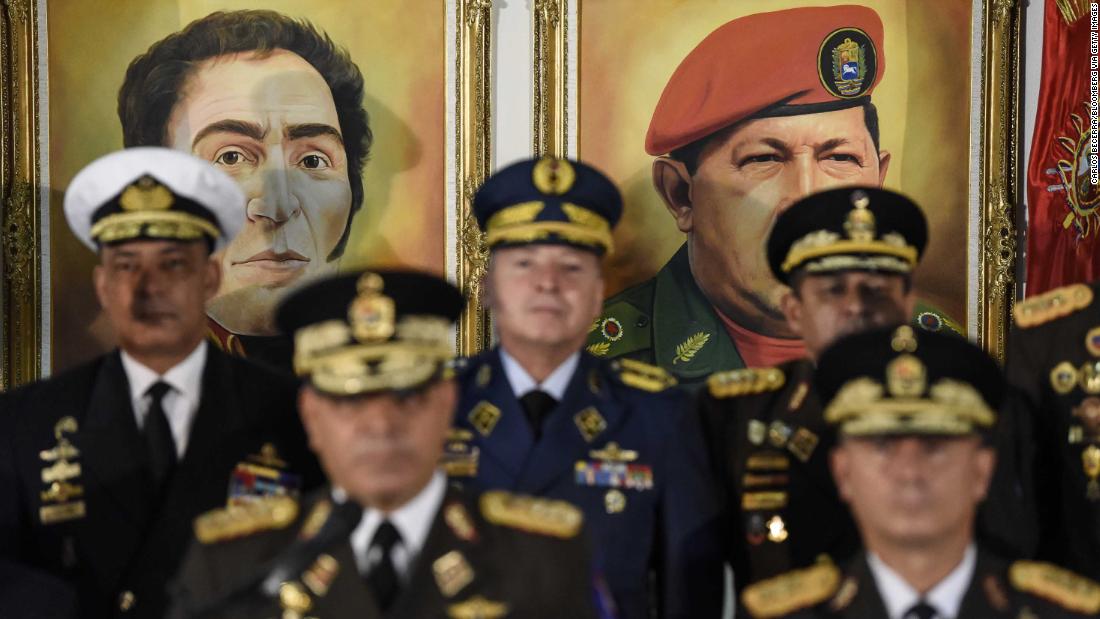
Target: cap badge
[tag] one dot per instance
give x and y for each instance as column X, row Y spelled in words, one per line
column 906, row 377
column 146, row 194
column 847, row 63
column 553, row 176
column 371, row 314
column 860, row 224
column 904, row 339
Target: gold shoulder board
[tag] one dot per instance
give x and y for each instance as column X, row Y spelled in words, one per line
column 532, row 514
column 1051, row 305
column 748, row 381
column 239, row 520
column 789, row 592
column 1061, row 586
column 643, row 375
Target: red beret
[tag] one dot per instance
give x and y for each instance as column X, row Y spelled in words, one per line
column 822, row 57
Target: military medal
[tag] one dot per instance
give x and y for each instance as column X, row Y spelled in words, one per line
column 262, row 475
column 1063, row 377
column 1088, row 411
column 1092, row 341
column 1090, row 377
column 777, row 530
column 613, row 475
column 757, row 431
column 1090, row 461
column 778, row 433
column 614, row 501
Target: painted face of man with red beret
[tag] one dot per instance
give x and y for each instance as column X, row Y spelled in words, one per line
column 742, row 143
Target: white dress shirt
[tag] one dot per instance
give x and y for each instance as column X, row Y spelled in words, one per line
column 555, row 384
column 182, row 400
column 413, row 521
column 945, row 597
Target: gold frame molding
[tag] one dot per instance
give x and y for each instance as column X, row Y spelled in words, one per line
column 473, row 145
column 1001, row 71
column 20, row 186
column 21, row 234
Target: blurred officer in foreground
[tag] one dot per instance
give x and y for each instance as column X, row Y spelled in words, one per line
column 847, row 255
column 1054, row 364
column 389, row 539
column 733, row 148
column 538, row 415
column 915, row 413
column 103, row 467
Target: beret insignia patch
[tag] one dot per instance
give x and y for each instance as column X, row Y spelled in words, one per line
column 847, row 63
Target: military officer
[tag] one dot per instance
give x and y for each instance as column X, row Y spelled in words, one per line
column 915, row 413
column 378, row 406
column 847, row 255
column 1054, row 364
column 538, row 415
column 104, row 466
column 734, row 147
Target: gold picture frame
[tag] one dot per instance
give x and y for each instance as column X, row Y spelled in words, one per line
column 996, row 61
column 24, row 236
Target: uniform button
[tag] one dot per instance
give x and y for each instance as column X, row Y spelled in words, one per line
column 126, row 601
column 642, row 321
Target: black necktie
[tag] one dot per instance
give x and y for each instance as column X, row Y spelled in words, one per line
column 537, row 405
column 920, row 610
column 158, row 437
column 382, row 578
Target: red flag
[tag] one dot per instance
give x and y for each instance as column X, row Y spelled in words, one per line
column 1063, row 236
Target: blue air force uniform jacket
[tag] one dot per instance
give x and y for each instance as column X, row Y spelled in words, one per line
column 621, row 446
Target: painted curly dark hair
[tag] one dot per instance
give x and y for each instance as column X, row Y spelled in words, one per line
column 154, row 80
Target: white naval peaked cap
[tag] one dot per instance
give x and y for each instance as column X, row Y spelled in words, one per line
column 153, row 193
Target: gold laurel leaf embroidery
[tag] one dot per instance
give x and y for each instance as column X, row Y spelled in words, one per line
column 599, row 348
column 690, row 347
column 595, row 325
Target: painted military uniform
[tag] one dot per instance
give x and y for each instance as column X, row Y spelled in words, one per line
column 769, row 446
column 1054, row 364
column 1021, row 590
column 621, row 447
column 667, row 321
column 273, row 351
column 495, row 557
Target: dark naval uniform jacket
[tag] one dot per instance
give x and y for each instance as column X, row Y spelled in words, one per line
column 769, row 447
column 625, row 449
column 76, row 497
column 1053, row 364
column 487, row 558
column 667, row 321
column 1021, row 590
